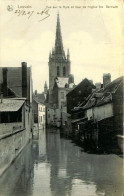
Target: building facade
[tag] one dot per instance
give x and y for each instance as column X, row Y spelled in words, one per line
column 38, row 114
column 99, row 120
column 16, row 125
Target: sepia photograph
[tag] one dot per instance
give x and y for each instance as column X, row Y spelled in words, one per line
column 61, row 98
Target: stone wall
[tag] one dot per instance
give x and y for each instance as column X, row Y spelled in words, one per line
column 10, row 147
column 6, row 128
column 13, row 138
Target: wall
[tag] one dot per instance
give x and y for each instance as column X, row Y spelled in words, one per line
column 10, row 147
column 118, row 108
column 60, row 99
column 10, row 127
column 101, row 112
column 50, row 116
column 89, row 113
column 12, row 140
column 35, row 111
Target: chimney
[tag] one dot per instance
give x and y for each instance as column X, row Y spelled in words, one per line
column 35, row 92
column 5, row 91
column 98, row 86
column 24, row 79
column 106, row 79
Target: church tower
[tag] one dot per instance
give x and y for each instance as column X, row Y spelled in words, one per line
column 59, row 63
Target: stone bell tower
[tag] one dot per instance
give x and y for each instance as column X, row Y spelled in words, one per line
column 59, row 63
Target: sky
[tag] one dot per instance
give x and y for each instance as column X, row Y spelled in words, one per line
column 94, row 37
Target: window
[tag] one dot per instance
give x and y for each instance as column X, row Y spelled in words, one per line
column 62, row 95
column 58, row 71
column 64, row 71
column 41, row 119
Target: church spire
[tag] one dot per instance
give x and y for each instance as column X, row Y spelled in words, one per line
column 68, row 55
column 45, row 87
column 58, row 41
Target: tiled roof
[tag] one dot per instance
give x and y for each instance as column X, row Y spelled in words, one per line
column 103, row 96
column 11, row 105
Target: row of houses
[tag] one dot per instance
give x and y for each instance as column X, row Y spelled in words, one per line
column 92, row 114
column 96, row 114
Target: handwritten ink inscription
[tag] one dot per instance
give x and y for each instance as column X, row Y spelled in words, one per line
column 43, row 14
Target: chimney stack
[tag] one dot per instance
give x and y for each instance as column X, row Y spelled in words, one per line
column 24, row 79
column 98, row 86
column 5, row 91
column 35, row 92
column 106, row 79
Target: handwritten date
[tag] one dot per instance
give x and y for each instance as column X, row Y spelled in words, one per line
column 44, row 13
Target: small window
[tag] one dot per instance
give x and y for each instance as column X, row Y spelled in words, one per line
column 58, row 71
column 64, row 71
column 62, row 95
column 41, row 118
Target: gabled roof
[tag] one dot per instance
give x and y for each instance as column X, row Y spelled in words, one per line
column 39, row 98
column 77, row 86
column 103, row 96
column 11, row 105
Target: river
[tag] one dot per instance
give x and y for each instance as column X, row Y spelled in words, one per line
column 53, row 166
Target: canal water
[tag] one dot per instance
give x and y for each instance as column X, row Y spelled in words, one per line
column 53, row 166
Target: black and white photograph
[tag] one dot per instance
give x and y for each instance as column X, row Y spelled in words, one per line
column 61, row 98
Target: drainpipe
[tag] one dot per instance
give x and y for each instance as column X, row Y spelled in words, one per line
column 1, row 94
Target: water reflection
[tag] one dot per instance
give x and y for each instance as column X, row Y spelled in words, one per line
column 53, row 166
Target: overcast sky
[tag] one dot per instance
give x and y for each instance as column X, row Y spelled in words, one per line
column 93, row 36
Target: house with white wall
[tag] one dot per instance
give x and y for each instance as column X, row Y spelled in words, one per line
column 39, row 113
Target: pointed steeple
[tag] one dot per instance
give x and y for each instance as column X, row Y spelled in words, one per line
column 45, row 87
column 58, row 41
column 68, row 55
